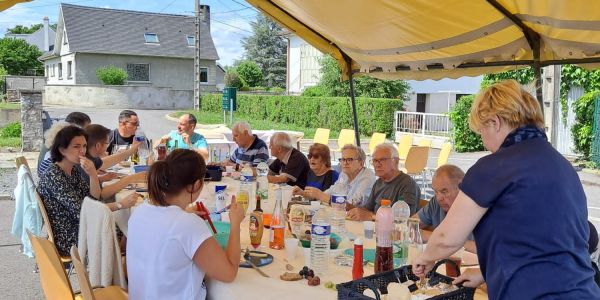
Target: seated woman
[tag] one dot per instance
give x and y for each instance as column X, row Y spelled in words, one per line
column 320, row 176
column 62, row 188
column 174, row 249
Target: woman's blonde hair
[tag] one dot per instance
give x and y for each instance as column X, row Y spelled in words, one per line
column 510, row 102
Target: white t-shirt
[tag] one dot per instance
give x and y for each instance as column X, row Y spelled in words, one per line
column 161, row 244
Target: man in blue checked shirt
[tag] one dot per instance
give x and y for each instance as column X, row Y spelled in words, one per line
column 251, row 149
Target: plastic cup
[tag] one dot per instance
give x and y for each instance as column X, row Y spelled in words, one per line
column 369, row 227
column 291, row 247
column 456, row 258
column 286, row 195
column 306, row 252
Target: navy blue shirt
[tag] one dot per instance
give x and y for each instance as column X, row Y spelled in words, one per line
column 532, row 241
column 322, row 182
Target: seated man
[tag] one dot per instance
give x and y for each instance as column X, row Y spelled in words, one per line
column 392, row 185
column 125, row 133
column 445, row 183
column 250, row 149
column 185, row 137
column 355, row 181
column 291, row 166
column 75, row 118
column 97, row 141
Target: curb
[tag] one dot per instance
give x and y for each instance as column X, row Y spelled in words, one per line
column 168, row 117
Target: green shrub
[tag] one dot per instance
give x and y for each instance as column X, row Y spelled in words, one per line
column 250, row 73
column 335, row 113
column 584, row 121
column 465, row 140
column 313, row 91
column 233, row 79
column 277, row 90
column 111, row 75
column 11, row 130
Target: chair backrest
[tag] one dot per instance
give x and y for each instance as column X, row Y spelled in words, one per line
column 444, row 154
column 21, row 160
column 82, row 276
column 54, row 280
column 321, row 136
column 44, row 216
column 376, row 139
column 346, row 137
column 416, row 160
column 404, row 145
column 424, row 143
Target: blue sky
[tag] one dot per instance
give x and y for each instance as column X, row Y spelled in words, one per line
column 230, row 18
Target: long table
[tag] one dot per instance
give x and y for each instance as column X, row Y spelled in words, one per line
column 250, row 285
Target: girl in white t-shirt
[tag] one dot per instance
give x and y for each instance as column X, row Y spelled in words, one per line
column 170, row 250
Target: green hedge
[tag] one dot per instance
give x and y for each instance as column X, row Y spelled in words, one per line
column 584, row 119
column 465, row 140
column 335, row 113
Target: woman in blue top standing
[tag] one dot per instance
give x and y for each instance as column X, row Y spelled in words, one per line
column 524, row 204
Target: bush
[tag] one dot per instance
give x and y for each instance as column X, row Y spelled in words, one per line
column 233, row 79
column 584, row 122
column 250, row 73
column 465, row 140
column 313, row 91
column 335, row 113
column 12, row 130
column 277, row 90
column 112, row 75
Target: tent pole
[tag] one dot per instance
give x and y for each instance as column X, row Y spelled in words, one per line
column 537, row 71
column 353, row 101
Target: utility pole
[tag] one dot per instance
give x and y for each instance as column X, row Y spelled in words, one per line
column 197, row 21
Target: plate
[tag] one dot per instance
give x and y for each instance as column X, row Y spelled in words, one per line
column 256, row 260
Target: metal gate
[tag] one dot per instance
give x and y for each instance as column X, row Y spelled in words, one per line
column 564, row 138
column 596, row 134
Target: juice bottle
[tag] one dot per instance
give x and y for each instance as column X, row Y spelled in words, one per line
column 384, row 225
column 256, row 225
column 277, row 229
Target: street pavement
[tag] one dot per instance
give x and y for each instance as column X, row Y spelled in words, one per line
column 17, row 279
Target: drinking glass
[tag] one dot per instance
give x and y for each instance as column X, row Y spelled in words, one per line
column 415, row 246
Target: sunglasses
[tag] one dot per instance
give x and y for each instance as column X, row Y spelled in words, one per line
column 310, row 155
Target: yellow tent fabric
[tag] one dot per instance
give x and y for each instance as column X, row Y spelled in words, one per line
column 432, row 39
column 6, row 4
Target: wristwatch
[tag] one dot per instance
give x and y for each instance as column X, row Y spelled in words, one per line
column 119, row 206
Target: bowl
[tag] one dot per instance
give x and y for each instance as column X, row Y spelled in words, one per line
column 337, row 238
column 140, row 168
column 222, row 235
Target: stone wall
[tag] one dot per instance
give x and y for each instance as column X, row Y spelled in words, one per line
column 128, row 96
column 32, row 134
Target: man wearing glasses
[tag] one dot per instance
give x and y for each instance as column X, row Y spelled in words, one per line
column 392, row 185
column 355, row 182
column 124, row 134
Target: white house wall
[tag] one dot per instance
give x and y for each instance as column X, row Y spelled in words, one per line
column 294, row 65
column 53, row 63
column 439, row 103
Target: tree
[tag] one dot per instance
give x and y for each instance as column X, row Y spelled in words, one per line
column 18, row 57
column 267, row 48
column 233, row 79
column 250, row 73
column 364, row 86
column 20, row 29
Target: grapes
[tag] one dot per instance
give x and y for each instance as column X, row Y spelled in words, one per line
column 307, row 273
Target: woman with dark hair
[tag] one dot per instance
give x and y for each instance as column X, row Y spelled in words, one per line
column 63, row 189
column 320, row 176
column 174, row 249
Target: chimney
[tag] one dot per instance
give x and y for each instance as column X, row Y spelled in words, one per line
column 205, row 15
column 46, row 35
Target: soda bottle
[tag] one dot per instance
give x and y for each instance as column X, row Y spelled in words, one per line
column 383, row 229
column 401, row 212
column 320, row 244
column 277, row 228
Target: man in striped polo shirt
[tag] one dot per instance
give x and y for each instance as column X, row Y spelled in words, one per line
column 250, row 148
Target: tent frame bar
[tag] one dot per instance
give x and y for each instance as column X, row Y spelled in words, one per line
column 352, row 99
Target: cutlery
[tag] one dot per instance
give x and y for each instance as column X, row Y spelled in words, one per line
column 247, row 258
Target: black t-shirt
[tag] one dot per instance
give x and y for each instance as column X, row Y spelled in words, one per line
column 116, row 139
column 97, row 163
column 296, row 169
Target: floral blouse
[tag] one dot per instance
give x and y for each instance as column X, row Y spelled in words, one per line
column 62, row 196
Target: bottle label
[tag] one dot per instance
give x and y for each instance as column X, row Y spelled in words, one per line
column 321, row 230
column 253, row 226
column 338, row 199
column 140, row 138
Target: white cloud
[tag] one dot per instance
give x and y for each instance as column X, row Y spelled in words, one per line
column 228, row 38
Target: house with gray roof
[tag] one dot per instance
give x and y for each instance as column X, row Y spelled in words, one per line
column 42, row 38
column 156, row 50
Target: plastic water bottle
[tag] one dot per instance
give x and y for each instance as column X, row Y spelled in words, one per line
column 143, row 150
column 319, row 245
column 401, row 212
column 246, row 184
column 338, row 205
column 384, row 224
column 262, row 182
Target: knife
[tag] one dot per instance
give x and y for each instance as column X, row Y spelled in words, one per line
column 247, row 258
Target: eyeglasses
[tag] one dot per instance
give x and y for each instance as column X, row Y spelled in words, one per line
column 348, row 160
column 137, row 124
column 310, row 155
column 380, row 161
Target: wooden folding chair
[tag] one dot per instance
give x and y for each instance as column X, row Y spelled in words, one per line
column 110, row 292
column 63, row 259
column 416, row 162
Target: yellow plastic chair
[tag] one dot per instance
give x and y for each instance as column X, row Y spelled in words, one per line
column 404, row 145
column 321, row 137
column 425, row 143
column 376, row 139
column 44, row 213
column 443, row 157
column 346, row 137
column 416, row 162
column 110, row 292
